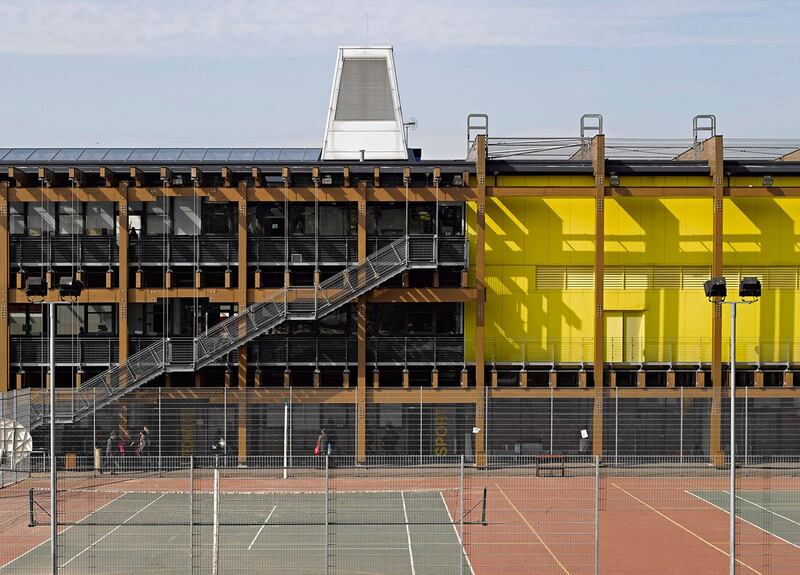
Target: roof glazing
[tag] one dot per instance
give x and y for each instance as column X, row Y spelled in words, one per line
column 43, row 156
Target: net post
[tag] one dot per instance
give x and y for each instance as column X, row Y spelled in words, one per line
column 596, row 514
column 215, row 533
column 483, row 507
column 31, row 518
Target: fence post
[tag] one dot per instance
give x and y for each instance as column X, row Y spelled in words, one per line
column 159, row 429
column 746, row 430
column 551, row 420
column 327, row 522
column 616, row 425
column 225, row 421
column 596, row 514
column 681, row 426
column 461, row 549
column 191, row 514
column 215, row 528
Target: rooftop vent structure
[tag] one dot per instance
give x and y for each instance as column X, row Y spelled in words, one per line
column 365, row 121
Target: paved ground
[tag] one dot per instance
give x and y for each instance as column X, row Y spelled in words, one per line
column 370, row 533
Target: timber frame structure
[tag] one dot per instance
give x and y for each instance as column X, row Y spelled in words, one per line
column 589, row 169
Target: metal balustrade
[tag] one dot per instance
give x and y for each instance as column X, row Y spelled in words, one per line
column 208, row 249
column 86, row 350
column 63, row 250
column 184, row 354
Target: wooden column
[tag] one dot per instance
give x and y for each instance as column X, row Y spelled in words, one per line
column 361, row 391
column 599, row 169
column 242, row 290
column 122, row 307
column 480, row 304
column 5, row 349
column 712, row 152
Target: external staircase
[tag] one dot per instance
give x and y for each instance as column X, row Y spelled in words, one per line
column 292, row 303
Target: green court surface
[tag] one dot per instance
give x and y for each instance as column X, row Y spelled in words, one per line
column 776, row 511
column 367, row 533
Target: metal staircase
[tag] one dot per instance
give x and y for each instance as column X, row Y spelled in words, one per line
column 293, row 303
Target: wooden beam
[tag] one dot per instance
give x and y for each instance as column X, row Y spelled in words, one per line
column 78, row 177
column 166, row 177
column 286, row 175
column 258, row 178
column 109, row 175
column 597, row 151
column 197, row 176
column 21, row 179
column 227, row 177
column 712, row 151
column 48, row 176
column 122, row 289
column 137, row 176
column 5, row 351
column 361, row 334
column 376, row 176
column 480, row 306
column 346, row 175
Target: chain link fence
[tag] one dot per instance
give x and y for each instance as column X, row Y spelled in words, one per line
column 531, row 514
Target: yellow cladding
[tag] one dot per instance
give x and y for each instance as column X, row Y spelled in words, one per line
column 665, row 181
column 523, row 323
column 553, row 181
column 758, row 182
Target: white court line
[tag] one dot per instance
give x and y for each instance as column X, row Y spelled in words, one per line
column 740, row 518
column 113, row 530
column 32, row 549
column 408, row 534
column 764, row 508
column 262, row 527
column 453, row 525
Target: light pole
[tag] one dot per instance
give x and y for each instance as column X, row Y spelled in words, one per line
column 716, row 291
column 37, row 288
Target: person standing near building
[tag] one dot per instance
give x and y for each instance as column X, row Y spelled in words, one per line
column 111, row 446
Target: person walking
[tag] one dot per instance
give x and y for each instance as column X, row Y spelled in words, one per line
column 111, row 447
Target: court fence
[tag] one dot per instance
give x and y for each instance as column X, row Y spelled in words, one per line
column 256, row 422
column 542, row 513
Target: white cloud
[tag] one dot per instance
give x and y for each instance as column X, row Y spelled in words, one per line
column 176, row 28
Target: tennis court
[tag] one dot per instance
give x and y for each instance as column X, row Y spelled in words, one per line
column 368, row 532
column 776, row 512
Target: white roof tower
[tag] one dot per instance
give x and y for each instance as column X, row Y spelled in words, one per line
column 365, row 120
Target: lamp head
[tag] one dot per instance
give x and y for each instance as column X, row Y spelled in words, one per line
column 70, row 287
column 750, row 287
column 715, row 288
column 36, row 287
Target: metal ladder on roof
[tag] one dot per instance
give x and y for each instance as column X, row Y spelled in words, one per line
column 293, row 303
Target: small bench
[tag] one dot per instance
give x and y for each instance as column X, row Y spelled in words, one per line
column 546, row 462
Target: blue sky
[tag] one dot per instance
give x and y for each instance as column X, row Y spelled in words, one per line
column 258, row 73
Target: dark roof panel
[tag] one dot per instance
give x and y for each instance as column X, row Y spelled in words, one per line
column 43, row 155
column 267, row 155
column 68, row 154
column 93, row 155
column 18, row 155
column 192, row 155
column 120, row 155
column 167, row 155
column 143, row 155
column 242, row 155
column 217, row 155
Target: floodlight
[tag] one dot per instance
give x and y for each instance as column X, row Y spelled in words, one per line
column 614, row 179
column 715, row 288
column 70, row 287
column 750, row 287
column 767, row 181
column 36, row 287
